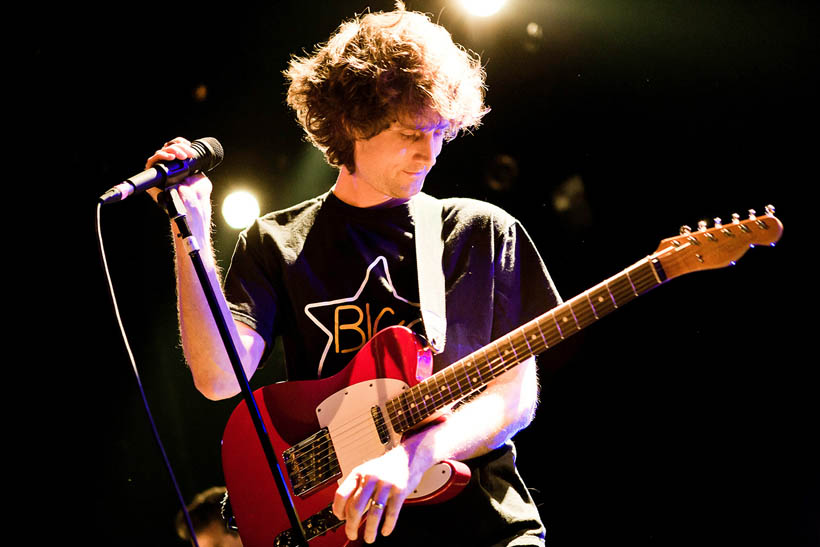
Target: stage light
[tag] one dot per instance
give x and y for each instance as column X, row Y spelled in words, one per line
column 240, row 209
column 483, row 8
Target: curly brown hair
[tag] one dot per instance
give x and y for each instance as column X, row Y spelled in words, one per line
column 376, row 69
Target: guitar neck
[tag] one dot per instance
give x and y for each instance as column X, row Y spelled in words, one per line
column 470, row 374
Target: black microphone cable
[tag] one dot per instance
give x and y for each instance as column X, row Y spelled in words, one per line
column 151, row 421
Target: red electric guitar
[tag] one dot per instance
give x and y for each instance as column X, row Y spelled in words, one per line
column 322, row 429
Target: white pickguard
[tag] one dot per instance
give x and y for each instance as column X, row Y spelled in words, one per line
column 347, row 415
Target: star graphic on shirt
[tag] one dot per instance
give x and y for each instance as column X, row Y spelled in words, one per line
column 310, row 308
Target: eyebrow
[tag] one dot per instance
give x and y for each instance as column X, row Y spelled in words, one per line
column 443, row 124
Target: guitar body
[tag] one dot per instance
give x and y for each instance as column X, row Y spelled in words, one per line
column 343, row 410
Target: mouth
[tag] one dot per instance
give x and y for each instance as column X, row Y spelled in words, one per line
column 417, row 173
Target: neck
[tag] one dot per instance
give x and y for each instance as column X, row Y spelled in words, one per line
column 352, row 190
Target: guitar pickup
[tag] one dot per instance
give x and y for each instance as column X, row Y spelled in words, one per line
column 381, row 425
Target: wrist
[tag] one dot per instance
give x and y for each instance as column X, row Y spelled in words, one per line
column 422, row 447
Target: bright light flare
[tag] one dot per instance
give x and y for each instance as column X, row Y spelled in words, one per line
column 240, row 209
column 483, row 8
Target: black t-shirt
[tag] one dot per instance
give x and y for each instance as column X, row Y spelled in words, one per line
column 326, row 276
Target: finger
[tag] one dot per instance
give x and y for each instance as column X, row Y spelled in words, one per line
column 357, row 507
column 160, row 155
column 183, row 147
column 177, row 140
column 176, row 149
column 391, row 514
column 375, row 512
column 343, row 493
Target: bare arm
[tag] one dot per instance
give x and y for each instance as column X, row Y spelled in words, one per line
column 202, row 345
column 485, row 423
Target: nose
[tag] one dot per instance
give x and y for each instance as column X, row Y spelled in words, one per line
column 427, row 148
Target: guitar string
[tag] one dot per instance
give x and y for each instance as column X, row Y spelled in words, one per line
column 641, row 278
column 515, row 342
column 582, row 318
column 583, row 315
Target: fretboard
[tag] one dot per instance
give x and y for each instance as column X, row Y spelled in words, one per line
column 470, row 374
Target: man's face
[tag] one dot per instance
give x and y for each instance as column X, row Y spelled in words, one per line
column 395, row 162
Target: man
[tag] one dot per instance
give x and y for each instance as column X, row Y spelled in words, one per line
column 379, row 99
column 205, row 511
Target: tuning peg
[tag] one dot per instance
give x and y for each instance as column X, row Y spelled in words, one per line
column 718, row 222
column 684, row 230
column 770, row 210
column 752, row 213
column 702, row 226
column 735, row 218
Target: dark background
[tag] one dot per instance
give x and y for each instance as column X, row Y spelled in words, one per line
column 686, row 418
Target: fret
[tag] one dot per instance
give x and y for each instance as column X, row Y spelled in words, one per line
column 485, row 363
column 478, row 379
column 631, row 284
column 434, row 389
column 583, row 311
column 404, row 409
column 453, row 380
column 423, row 392
column 462, row 378
column 621, row 290
column 646, row 278
column 565, row 321
column 498, row 352
column 656, row 265
column 574, row 317
column 507, row 359
column 544, row 338
column 443, row 389
column 515, row 352
column 591, row 305
column 611, row 296
column 512, row 348
column 472, row 374
column 552, row 329
column 412, row 406
column 604, row 303
column 488, row 362
column 524, row 337
column 557, row 326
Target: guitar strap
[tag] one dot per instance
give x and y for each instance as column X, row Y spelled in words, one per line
column 429, row 250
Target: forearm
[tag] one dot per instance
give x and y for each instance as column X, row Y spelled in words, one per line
column 202, row 343
column 481, row 425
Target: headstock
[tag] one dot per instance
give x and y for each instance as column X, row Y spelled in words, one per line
column 719, row 246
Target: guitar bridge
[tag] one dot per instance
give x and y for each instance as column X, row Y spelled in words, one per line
column 311, row 463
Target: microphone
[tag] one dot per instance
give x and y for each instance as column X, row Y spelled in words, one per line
column 208, row 154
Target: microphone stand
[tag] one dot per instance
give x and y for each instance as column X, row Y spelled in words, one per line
column 176, row 210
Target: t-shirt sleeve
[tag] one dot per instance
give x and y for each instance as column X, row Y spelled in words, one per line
column 250, row 286
column 523, row 286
